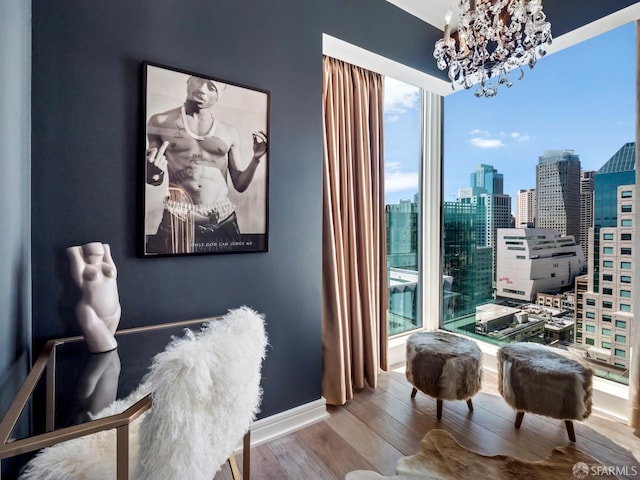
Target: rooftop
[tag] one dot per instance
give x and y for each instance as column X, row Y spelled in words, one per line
column 623, row 160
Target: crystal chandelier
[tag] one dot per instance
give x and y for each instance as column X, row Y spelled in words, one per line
column 493, row 38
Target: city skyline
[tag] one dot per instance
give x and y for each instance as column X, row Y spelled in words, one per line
column 506, row 131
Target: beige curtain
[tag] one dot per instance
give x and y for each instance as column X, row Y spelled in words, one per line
column 354, row 315
column 634, row 377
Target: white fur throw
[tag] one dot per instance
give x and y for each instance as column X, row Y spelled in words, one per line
column 206, row 392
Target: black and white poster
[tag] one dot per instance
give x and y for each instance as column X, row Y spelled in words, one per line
column 205, row 164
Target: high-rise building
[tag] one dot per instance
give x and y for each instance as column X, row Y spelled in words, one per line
column 402, row 265
column 487, row 190
column 526, row 208
column 587, row 182
column 467, row 266
column 581, row 287
column 618, row 170
column 486, row 179
column 558, row 192
column 604, row 319
column 604, row 311
column 532, row 260
column 402, row 235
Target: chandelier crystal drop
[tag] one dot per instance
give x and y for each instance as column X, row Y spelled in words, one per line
column 493, row 38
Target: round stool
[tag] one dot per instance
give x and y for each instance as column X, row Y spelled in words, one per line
column 546, row 381
column 444, row 366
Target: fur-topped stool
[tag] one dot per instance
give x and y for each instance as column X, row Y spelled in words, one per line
column 444, row 366
column 542, row 380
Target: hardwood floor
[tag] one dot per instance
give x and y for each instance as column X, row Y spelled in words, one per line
column 381, row 425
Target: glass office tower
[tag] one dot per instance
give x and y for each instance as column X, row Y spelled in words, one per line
column 619, row 170
column 466, row 265
column 402, row 265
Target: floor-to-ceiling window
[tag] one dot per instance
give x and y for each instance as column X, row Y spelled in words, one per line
column 533, row 222
column 402, row 153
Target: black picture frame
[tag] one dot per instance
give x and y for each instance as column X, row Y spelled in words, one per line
column 205, row 174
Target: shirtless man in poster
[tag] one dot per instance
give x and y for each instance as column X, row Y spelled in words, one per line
column 198, row 152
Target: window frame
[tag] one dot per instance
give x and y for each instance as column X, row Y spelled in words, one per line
column 612, row 394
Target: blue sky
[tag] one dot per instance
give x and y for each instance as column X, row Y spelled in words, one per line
column 581, row 98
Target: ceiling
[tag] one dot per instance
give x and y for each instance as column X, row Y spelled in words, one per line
column 431, row 11
column 572, row 21
column 564, row 15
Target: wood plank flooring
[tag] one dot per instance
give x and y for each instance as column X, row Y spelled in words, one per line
column 380, row 425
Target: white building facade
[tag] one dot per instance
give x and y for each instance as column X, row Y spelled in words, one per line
column 605, row 324
column 534, row 260
column 526, row 208
column 587, row 183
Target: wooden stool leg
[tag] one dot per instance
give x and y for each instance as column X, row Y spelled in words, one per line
column 470, row 405
column 570, row 431
column 439, row 409
column 246, row 456
column 413, row 392
column 519, row 417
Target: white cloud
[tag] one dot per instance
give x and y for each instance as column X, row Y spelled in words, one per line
column 520, row 137
column 396, row 181
column 392, row 118
column 399, row 97
column 486, row 142
column 392, row 165
column 485, row 139
column 477, row 131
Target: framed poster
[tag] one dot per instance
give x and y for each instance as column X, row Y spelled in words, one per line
column 205, row 164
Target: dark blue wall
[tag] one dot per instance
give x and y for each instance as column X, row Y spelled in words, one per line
column 88, row 135
column 87, row 139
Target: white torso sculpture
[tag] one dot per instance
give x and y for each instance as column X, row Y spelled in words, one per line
column 98, row 311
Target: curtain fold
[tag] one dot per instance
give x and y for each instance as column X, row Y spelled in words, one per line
column 354, row 315
column 634, row 375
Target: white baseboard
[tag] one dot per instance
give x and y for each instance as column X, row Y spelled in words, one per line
column 289, row 421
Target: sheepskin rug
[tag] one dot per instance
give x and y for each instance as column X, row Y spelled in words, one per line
column 441, row 457
column 543, row 380
column 206, row 392
column 444, row 366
